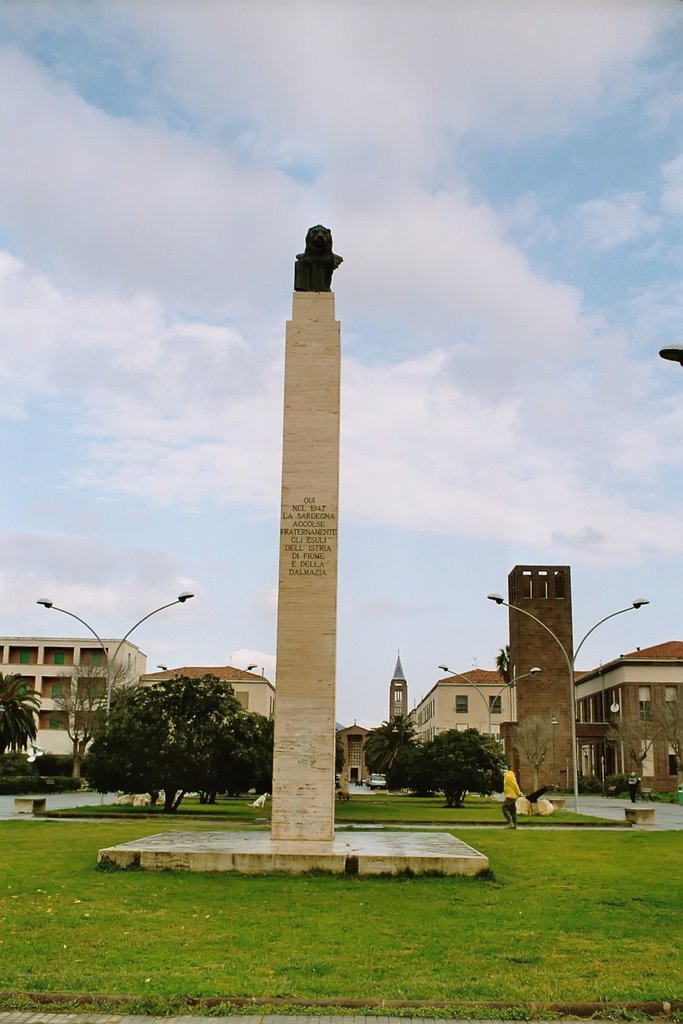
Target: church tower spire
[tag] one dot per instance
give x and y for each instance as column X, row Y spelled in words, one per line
column 398, row 692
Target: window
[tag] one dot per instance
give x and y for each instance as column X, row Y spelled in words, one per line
column 243, row 698
column 496, row 705
column 59, row 657
column 96, row 658
column 461, row 704
column 56, row 690
column 527, row 584
column 670, row 694
column 55, row 723
column 559, row 585
column 644, row 700
column 543, row 584
column 24, row 657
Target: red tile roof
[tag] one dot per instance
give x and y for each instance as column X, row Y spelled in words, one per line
column 197, row 671
column 478, row 675
column 669, row 649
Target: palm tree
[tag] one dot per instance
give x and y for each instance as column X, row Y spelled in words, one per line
column 18, row 706
column 503, row 663
column 383, row 744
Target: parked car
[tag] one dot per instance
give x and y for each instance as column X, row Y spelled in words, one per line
column 378, row 782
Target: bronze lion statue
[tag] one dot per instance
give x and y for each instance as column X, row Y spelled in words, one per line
column 314, row 267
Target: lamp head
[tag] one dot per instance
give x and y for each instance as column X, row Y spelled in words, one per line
column 250, row 667
column 498, row 598
column 673, row 352
column 164, row 668
column 185, row 596
column 45, row 601
column 640, row 601
column 444, row 668
column 534, row 670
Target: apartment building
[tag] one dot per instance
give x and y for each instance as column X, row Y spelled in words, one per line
column 632, row 686
column 477, row 699
column 46, row 662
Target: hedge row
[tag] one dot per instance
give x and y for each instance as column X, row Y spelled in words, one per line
column 11, row 785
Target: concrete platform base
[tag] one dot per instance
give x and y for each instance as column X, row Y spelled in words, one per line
column 379, row 853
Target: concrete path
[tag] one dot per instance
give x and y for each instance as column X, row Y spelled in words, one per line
column 668, row 817
column 55, row 802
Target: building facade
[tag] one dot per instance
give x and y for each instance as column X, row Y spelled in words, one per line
column 633, row 688
column 45, row 663
column 477, row 699
column 353, row 741
column 253, row 691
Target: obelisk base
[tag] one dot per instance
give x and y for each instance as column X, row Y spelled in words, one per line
column 249, row 853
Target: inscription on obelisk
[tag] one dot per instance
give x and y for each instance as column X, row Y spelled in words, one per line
column 303, row 760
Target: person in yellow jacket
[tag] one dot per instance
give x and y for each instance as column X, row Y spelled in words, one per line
column 511, row 792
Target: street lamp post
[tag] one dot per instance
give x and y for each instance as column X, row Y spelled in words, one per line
column 571, row 662
column 486, row 697
column 553, row 724
column 110, row 662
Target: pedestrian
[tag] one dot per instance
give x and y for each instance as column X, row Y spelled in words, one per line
column 511, row 792
column 633, row 782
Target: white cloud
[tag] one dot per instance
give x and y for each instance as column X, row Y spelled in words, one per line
column 672, row 185
column 610, row 222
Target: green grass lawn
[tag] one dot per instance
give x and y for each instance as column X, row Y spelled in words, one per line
column 568, row 916
column 373, row 807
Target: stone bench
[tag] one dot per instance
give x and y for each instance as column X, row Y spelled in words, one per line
column 640, row 815
column 29, row 804
column 558, row 802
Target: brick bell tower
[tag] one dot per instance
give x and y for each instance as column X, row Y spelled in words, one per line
column 543, row 591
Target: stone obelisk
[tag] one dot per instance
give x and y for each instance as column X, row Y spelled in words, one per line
column 302, row 822
column 304, row 752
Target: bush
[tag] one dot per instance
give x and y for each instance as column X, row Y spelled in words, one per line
column 14, row 764
column 56, row 764
column 11, row 785
column 618, row 783
column 590, row 784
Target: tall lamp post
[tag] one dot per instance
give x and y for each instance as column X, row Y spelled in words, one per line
column 486, row 697
column 110, row 662
column 571, row 662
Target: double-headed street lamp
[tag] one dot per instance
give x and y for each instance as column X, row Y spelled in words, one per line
column 110, row 662
column 571, row 662
column 487, row 697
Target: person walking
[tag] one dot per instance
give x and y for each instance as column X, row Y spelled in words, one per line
column 633, row 782
column 511, row 792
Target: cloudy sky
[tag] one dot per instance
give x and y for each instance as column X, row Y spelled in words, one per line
column 505, row 183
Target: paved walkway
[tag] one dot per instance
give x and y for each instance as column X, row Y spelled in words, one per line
column 668, row 817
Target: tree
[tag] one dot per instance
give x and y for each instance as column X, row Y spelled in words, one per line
column 533, row 736
column 636, row 735
column 83, row 700
column 19, row 704
column 339, row 753
column 458, row 763
column 668, row 717
column 180, row 735
column 383, row 744
column 503, row 664
column 411, row 770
